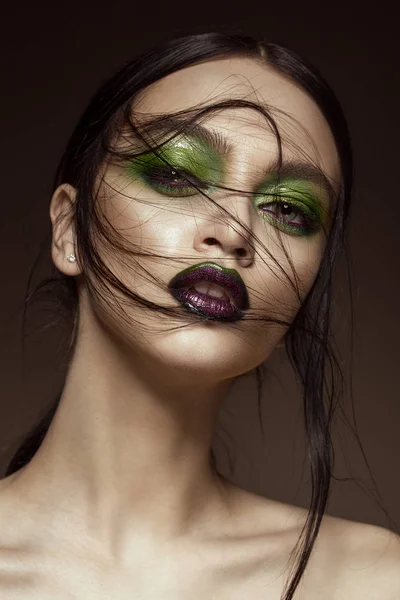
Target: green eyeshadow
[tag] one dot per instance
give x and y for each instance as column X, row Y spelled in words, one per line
column 299, row 195
column 187, row 155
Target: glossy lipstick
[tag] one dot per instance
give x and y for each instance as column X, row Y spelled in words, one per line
column 211, row 307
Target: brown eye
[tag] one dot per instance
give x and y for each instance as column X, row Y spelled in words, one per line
column 171, row 182
column 288, row 211
column 291, row 217
column 283, row 209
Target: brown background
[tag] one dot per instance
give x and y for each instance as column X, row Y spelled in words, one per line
column 52, row 60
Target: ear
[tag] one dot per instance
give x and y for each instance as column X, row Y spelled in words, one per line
column 62, row 208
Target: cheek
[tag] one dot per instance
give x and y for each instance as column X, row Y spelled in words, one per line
column 306, row 274
column 285, row 283
column 131, row 209
column 307, row 264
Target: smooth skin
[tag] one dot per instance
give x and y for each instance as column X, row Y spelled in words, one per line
column 120, row 501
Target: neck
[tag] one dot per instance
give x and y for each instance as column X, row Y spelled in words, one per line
column 127, row 453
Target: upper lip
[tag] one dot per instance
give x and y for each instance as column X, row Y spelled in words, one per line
column 229, row 279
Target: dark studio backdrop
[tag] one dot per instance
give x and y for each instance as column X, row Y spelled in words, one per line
column 53, row 58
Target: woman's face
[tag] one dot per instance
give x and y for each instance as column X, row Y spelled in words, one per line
column 186, row 228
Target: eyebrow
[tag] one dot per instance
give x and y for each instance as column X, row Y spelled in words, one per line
column 303, row 171
column 176, row 126
column 295, row 169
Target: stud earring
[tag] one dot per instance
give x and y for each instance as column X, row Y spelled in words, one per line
column 71, row 257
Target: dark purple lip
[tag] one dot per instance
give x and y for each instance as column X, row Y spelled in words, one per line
column 228, row 279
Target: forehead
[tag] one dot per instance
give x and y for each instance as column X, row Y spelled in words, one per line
column 304, row 130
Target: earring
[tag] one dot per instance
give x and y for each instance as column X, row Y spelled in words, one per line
column 71, row 257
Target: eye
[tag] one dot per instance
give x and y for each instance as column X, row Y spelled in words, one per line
column 291, row 216
column 170, row 181
column 284, row 210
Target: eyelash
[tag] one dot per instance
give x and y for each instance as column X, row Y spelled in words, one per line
column 167, row 181
column 165, row 178
column 311, row 224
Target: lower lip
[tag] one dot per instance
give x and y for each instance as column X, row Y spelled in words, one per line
column 215, row 309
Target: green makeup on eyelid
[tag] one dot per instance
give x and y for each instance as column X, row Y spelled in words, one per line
column 195, row 158
column 302, row 196
column 298, row 192
column 189, row 154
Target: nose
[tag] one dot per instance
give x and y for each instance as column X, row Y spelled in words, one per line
column 220, row 235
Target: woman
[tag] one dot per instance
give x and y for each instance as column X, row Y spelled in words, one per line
column 197, row 214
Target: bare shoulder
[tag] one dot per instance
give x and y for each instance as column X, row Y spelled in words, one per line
column 350, row 560
column 376, row 554
column 367, row 559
